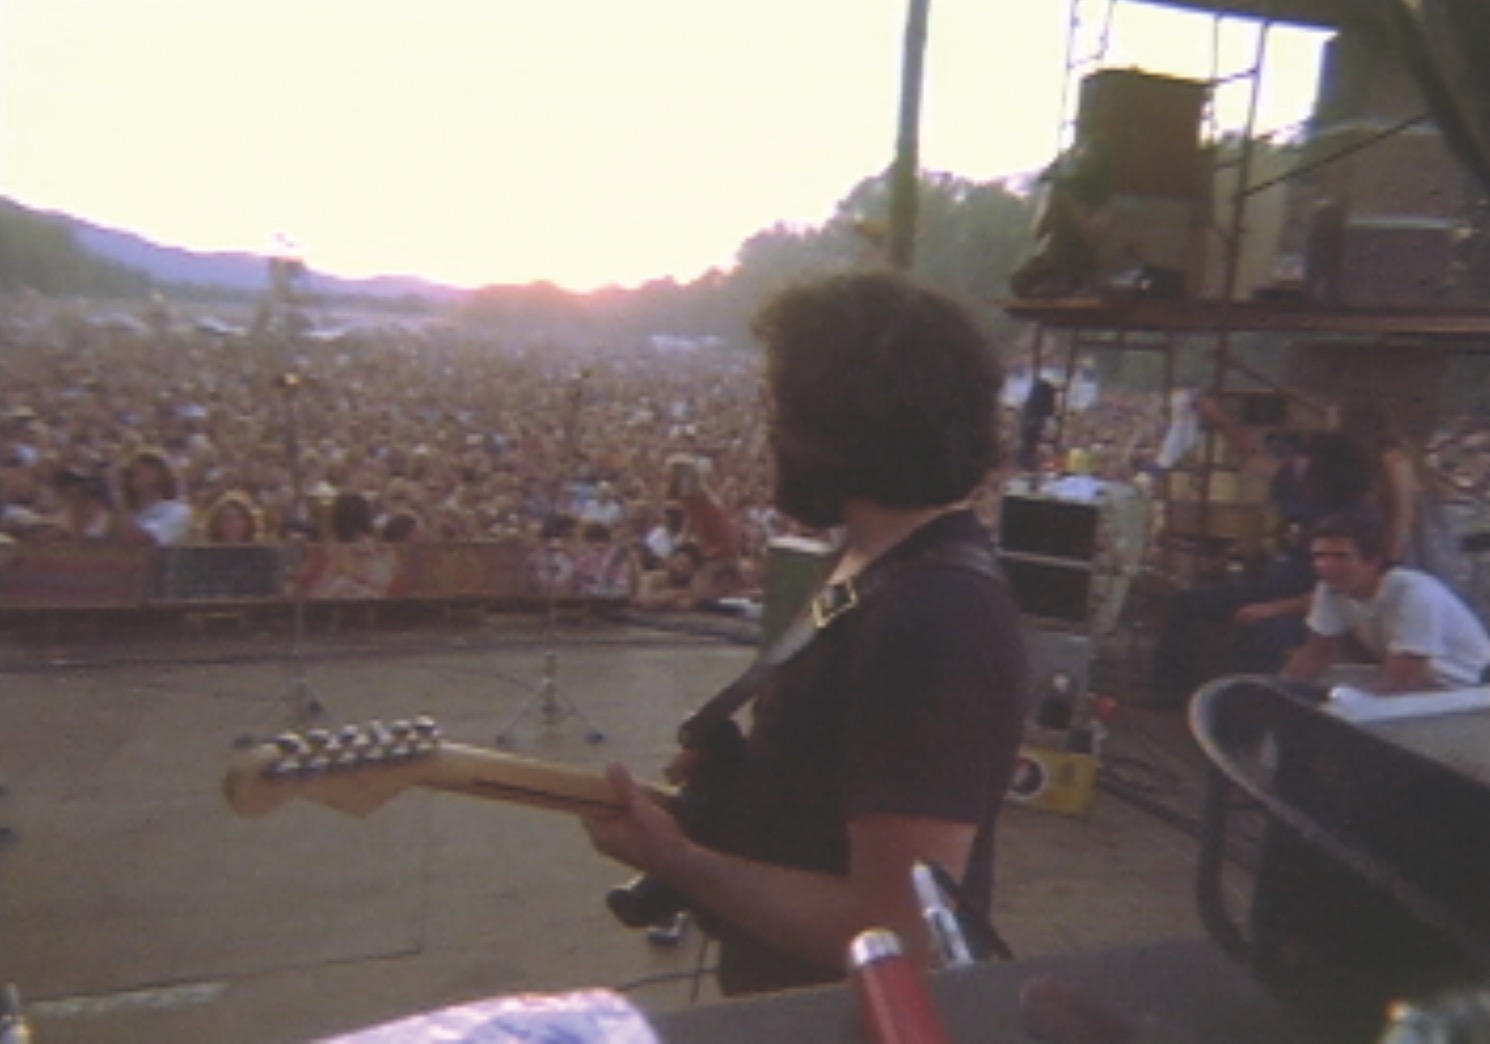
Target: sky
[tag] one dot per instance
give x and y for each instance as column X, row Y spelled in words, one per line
column 582, row 142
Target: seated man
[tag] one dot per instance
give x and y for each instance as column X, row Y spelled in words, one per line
column 1309, row 478
column 1415, row 628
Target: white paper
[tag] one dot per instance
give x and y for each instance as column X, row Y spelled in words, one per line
column 584, row 1017
column 1355, row 704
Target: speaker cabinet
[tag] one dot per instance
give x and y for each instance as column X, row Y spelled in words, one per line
column 1051, row 528
column 1071, row 548
column 1052, row 590
column 1401, row 262
column 1148, row 129
column 1374, row 169
column 1046, row 548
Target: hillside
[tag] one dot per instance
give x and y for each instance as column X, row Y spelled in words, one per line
column 56, row 253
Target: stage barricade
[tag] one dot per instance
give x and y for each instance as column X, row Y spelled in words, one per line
column 216, row 574
column 350, row 572
column 516, row 573
column 490, row 571
column 475, row 571
column 73, row 576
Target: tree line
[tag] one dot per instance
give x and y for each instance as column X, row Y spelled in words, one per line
column 40, row 253
column 969, row 237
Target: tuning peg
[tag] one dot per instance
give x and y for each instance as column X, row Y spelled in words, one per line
column 401, row 742
column 334, row 752
column 357, row 738
column 290, row 749
column 347, row 747
column 426, row 734
column 375, row 741
column 318, row 738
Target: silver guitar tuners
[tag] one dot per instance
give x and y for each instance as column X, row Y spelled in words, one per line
column 352, row 746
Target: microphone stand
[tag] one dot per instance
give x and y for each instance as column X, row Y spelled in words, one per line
column 301, row 698
column 551, row 706
column 15, row 1028
column 304, row 703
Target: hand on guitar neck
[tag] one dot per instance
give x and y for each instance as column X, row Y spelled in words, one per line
column 357, row 769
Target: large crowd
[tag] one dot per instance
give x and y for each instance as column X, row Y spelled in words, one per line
column 439, row 433
column 403, row 432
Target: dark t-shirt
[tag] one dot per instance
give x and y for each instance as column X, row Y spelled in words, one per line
column 911, row 703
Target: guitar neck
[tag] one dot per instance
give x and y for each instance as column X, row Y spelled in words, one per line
column 356, row 770
column 477, row 772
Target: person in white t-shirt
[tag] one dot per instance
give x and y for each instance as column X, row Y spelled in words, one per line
column 1414, row 627
column 151, row 493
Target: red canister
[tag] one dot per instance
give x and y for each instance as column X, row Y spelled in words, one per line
column 893, row 995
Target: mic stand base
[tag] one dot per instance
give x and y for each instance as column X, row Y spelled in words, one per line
column 550, row 707
column 305, row 707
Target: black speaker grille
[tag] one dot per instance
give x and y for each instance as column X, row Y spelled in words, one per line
column 1047, row 591
column 1053, row 528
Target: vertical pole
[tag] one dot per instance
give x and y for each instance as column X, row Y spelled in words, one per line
column 1073, row 349
column 1244, row 172
column 1222, row 361
column 903, row 180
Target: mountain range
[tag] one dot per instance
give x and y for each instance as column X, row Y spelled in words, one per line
column 240, row 272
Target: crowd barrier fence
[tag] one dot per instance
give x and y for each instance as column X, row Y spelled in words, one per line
column 52, row 577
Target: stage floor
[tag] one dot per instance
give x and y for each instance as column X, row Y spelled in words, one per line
column 135, row 906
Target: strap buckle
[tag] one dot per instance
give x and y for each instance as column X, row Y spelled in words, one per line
column 833, row 601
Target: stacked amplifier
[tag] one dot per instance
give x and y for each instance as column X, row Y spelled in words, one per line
column 1071, row 549
column 1382, row 197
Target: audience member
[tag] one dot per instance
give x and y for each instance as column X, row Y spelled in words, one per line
column 604, row 508
column 676, row 585
column 1418, row 533
column 151, row 493
column 603, row 567
column 351, row 518
column 354, row 564
column 662, row 537
column 231, row 519
column 87, row 507
column 20, row 496
column 401, row 527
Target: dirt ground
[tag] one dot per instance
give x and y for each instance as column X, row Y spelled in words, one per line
column 135, row 906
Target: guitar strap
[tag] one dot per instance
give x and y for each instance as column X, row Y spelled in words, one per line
column 830, row 602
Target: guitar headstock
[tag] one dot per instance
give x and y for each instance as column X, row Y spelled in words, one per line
column 354, row 769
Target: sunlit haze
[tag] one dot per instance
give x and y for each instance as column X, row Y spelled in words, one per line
column 584, row 142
